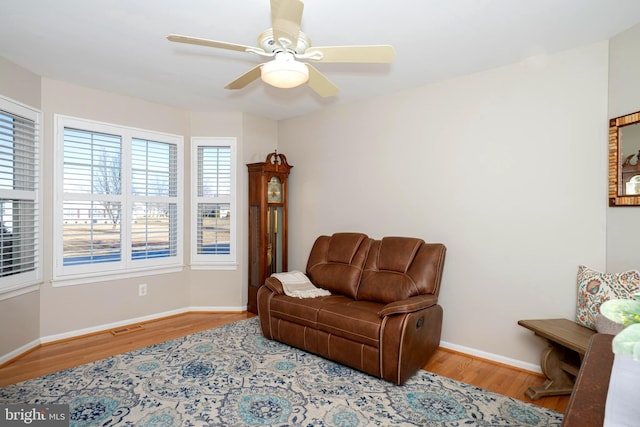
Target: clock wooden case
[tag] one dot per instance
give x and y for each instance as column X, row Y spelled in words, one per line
column 268, row 235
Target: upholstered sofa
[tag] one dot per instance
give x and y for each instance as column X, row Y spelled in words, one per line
column 382, row 316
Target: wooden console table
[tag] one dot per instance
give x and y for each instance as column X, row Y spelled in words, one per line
column 560, row 361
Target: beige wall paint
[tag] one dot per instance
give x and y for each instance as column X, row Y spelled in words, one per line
column 623, row 233
column 20, row 315
column 19, row 84
column 68, row 309
column 624, row 66
column 505, row 167
column 261, row 138
column 19, row 324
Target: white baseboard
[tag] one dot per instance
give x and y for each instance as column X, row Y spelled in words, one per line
column 493, row 357
column 19, row 351
column 109, row 326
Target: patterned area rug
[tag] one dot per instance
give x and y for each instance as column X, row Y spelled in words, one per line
column 233, row 376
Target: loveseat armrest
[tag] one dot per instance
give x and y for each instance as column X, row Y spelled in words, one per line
column 408, row 305
column 275, row 285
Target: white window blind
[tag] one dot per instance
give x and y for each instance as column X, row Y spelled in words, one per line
column 19, row 195
column 121, row 202
column 155, row 211
column 213, row 200
column 93, row 197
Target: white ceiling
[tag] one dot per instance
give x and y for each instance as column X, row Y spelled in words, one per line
column 120, row 45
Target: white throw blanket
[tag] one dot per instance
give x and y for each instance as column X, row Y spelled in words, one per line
column 297, row 284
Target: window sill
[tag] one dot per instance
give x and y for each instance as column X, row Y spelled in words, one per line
column 213, row 266
column 18, row 290
column 105, row 277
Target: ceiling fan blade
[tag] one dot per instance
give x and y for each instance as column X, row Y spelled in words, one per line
column 206, row 42
column 354, row 54
column 245, row 79
column 320, row 83
column 286, row 16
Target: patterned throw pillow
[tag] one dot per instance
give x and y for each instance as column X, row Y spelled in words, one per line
column 594, row 288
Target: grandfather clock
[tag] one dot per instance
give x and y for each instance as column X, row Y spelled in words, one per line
column 267, row 221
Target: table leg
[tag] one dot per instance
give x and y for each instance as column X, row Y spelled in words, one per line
column 559, row 381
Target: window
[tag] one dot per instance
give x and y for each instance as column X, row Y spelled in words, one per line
column 119, row 205
column 19, row 196
column 213, row 166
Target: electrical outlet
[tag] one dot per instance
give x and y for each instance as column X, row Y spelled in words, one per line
column 142, row 289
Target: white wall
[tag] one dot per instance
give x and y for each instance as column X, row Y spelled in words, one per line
column 506, row 167
column 623, row 233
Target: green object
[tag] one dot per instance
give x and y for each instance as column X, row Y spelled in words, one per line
column 627, row 313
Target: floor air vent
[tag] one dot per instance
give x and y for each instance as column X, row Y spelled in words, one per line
column 127, row 330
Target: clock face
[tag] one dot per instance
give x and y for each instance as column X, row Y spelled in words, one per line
column 274, row 191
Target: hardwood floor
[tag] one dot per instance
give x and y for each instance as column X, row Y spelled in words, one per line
column 492, row 376
column 77, row 351
column 65, row 354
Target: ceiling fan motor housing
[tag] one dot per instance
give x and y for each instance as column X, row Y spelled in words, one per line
column 270, row 45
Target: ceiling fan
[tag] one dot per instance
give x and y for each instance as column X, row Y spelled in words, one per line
column 287, row 45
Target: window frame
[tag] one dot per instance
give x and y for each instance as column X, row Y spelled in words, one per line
column 214, row 261
column 20, row 283
column 126, row 266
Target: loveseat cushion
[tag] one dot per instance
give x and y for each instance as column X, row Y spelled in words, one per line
column 335, row 262
column 355, row 320
column 398, row 268
column 303, row 311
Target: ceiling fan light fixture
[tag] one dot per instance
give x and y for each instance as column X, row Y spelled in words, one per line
column 284, row 72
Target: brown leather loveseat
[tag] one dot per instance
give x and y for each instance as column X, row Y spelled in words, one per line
column 382, row 316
